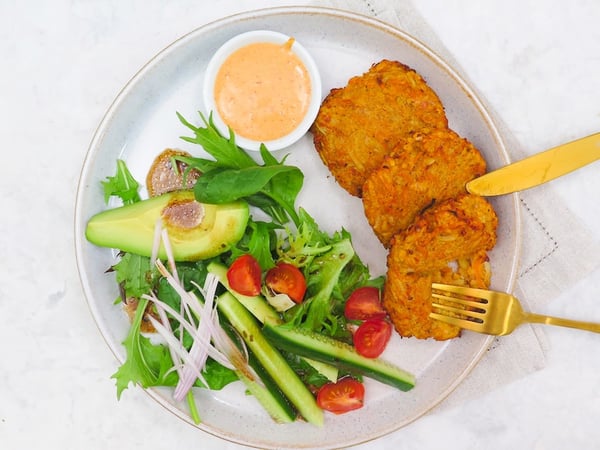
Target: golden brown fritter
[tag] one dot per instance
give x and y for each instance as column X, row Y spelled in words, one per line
column 450, row 230
column 385, row 138
column 427, row 168
column 448, row 244
column 359, row 124
column 408, row 295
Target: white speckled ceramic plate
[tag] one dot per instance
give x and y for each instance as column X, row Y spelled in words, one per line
column 142, row 122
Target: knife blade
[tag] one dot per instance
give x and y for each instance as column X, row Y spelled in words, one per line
column 538, row 169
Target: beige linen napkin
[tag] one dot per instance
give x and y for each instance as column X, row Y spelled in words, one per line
column 547, row 241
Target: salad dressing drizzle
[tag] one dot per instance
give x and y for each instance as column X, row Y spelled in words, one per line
column 183, row 214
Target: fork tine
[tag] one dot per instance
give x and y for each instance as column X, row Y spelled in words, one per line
column 464, row 313
column 461, row 301
column 462, row 323
column 463, row 290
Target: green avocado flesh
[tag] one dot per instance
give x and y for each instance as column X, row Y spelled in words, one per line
column 196, row 230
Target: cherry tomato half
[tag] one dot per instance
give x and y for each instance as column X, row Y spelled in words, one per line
column 371, row 337
column 364, row 304
column 346, row 395
column 287, row 279
column 244, row 275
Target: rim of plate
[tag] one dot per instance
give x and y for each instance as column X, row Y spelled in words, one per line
column 79, row 221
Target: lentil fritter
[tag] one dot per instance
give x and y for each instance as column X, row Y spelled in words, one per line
column 446, row 244
column 427, row 168
column 359, row 124
column 385, row 138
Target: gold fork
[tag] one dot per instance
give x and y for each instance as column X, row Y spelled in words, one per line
column 490, row 312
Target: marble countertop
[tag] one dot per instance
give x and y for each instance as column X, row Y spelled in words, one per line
column 63, row 62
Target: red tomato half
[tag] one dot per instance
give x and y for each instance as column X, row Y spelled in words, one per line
column 346, row 395
column 371, row 337
column 244, row 275
column 364, row 304
column 287, row 279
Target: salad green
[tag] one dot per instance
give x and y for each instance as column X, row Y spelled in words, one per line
column 179, row 304
column 122, row 185
column 233, row 174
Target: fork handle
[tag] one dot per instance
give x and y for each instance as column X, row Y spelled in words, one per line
column 549, row 320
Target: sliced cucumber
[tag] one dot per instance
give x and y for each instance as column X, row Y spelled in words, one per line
column 323, row 348
column 265, row 313
column 270, row 358
column 264, row 390
column 327, row 370
column 268, row 393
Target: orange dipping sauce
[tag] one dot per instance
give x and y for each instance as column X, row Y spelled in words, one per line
column 263, row 91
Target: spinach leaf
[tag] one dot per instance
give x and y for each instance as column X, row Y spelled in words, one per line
column 271, row 188
column 216, row 375
column 283, row 188
column 234, row 174
column 228, row 185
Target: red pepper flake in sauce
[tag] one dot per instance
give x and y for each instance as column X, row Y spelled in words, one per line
column 262, row 90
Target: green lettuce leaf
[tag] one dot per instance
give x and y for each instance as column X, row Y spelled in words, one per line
column 134, row 275
column 121, row 185
column 146, row 364
column 332, row 270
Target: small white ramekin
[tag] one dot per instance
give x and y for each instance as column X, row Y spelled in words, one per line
column 240, row 41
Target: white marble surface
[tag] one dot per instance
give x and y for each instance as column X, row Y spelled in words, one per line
column 63, row 62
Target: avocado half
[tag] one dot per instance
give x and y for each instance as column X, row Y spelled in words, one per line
column 196, row 230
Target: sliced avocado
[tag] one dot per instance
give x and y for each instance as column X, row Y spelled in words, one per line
column 196, row 230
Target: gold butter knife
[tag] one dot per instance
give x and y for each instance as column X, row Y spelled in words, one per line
column 539, row 168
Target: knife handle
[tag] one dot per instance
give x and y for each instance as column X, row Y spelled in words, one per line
column 539, row 168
